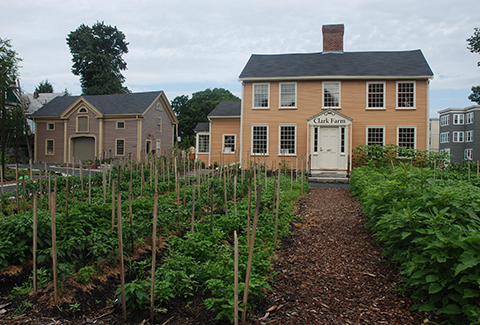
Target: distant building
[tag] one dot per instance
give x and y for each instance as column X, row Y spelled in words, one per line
column 434, row 134
column 33, row 102
column 460, row 133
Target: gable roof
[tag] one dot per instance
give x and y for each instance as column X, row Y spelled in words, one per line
column 33, row 102
column 132, row 103
column 226, row 109
column 344, row 64
column 202, row 126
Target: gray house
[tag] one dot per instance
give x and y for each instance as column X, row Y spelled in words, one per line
column 460, row 133
column 93, row 127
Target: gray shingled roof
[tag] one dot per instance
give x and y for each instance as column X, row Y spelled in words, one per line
column 133, row 103
column 202, row 126
column 400, row 63
column 226, row 108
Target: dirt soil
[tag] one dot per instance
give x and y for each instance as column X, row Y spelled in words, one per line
column 329, row 271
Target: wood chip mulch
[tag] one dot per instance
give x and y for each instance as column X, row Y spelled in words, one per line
column 331, row 270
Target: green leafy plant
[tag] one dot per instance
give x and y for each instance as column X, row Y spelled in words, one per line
column 86, row 274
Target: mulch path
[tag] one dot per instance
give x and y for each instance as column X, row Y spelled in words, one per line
column 329, row 271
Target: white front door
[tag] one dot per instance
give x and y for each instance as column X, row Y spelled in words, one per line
column 325, row 147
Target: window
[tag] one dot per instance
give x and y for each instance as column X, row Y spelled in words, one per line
column 406, row 137
column 120, row 125
column 469, row 136
column 158, row 107
column 82, row 110
column 229, row 143
column 288, row 139
column 468, row 154
column 119, row 147
column 159, row 124
column 331, row 94
column 203, row 143
column 50, row 126
column 375, row 95
column 158, row 147
column 458, row 119
column 259, row 139
column 375, row 136
column 458, row 136
column 260, row 95
column 447, row 150
column 342, row 140
column 315, row 140
column 445, row 137
column 469, row 118
column 406, row 95
column 82, row 124
column 444, row 120
column 49, row 147
column 288, row 95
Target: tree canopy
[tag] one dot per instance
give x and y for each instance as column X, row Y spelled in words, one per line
column 8, row 64
column 97, row 58
column 474, row 47
column 44, row 87
column 191, row 111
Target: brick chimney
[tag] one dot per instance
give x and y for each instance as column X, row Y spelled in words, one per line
column 36, row 94
column 333, row 38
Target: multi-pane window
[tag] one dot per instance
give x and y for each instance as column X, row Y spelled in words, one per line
column 444, row 120
column 458, row 136
column 120, row 125
column 228, row 143
column 288, row 95
column 203, row 143
column 331, row 94
column 406, row 137
column 49, row 147
column 50, row 126
column 375, row 135
column 468, row 154
column 259, row 139
column 315, row 139
column 287, row 139
column 82, row 124
column 405, row 95
column 469, row 136
column 260, row 95
column 159, row 124
column 119, row 147
column 376, row 95
column 445, row 137
column 458, row 119
column 158, row 147
column 342, row 140
column 469, row 118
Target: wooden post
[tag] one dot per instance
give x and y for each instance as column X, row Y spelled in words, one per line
column 66, row 198
column 211, row 207
column 1, row 177
column 249, row 207
column 142, row 182
column 104, row 182
column 235, row 194
column 225, row 192
column 16, row 188
column 154, row 256
column 81, row 174
column 34, row 241
column 53, row 209
column 130, row 212
column 278, row 205
column 31, row 171
column 113, row 204
column 193, row 208
column 40, row 185
column 250, row 253
column 235, row 280
column 90, row 185
column 120, row 250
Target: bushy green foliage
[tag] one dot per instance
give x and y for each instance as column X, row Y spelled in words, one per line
column 431, row 228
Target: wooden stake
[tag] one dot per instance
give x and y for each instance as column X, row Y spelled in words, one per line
column 193, row 208
column 235, row 194
column 154, row 256
column 278, row 205
column 90, row 185
column 120, row 251
column 235, row 285
column 53, row 201
column 16, row 188
column 81, row 174
column 31, row 171
column 104, row 182
column 66, row 198
column 34, row 241
column 130, row 213
column 225, row 192
column 113, row 204
column 212, row 191
column 1, row 177
column 249, row 207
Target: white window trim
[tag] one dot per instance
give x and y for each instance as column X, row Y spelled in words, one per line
column 80, row 110
column 470, row 151
column 458, row 119
column 456, row 136
column 445, row 137
column 251, row 140
column 469, row 118
column 414, row 107
column 234, row 144
column 158, row 148
column 253, row 96
column 339, row 94
column 445, row 120
column 374, row 127
column 199, row 134
column 158, row 107
column 124, row 125
column 280, row 141
column 469, row 138
column 46, row 147
column 280, row 95
column 384, row 96
column 410, row 127
column 116, row 146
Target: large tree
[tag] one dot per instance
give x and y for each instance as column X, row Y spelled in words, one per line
column 474, row 47
column 97, row 58
column 44, row 87
column 194, row 110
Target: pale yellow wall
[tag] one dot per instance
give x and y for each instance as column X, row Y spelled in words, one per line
column 219, row 127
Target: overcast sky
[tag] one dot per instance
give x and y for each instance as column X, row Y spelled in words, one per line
column 185, row 46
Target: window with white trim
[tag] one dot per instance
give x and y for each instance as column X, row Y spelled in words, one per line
column 259, row 139
column 119, row 147
column 458, row 119
column 82, row 123
column 458, row 136
column 445, row 137
column 331, row 95
column 375, row 135
column 203, row 143
column 288, row 95
column 444, row 120
column 406, row 137
column 468, row 154
column 288, row 135
column 49, row 147
column 375, row 95
column 261, row 94
column 447, row 150
column 406, row 94
column 469, row 136
column 229, row 143
column 469, row 118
